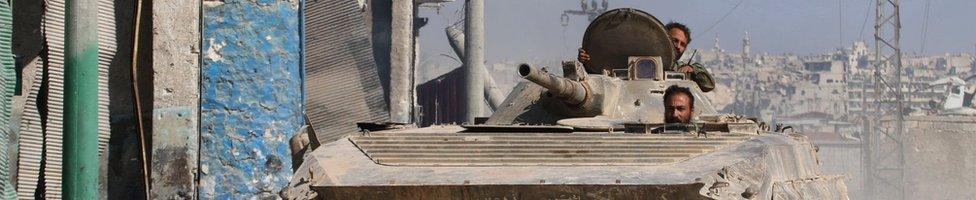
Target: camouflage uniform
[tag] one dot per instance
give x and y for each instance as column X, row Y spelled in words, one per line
column 700, row 75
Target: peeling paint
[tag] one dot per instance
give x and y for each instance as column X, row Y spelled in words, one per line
column 213, row 51
column 212, row 3
column 251, row 97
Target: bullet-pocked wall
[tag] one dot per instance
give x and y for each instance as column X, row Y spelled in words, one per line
column 251, row 96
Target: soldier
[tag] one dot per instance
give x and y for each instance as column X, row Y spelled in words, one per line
column 680, row 37
column 679, row 104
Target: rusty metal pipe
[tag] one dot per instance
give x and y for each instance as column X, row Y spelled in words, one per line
column 572, row 92
column 80, row 101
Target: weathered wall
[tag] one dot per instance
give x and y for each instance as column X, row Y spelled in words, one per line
column 940, row 157
column 251, row 99
column 176, row 94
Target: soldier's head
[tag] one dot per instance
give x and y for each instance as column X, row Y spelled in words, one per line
column 680, row 36
column 679, row 104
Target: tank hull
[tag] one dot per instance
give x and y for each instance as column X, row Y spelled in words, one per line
column 751, row 166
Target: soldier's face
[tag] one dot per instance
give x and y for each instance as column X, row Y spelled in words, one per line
column 677, row 109
column 679, row 40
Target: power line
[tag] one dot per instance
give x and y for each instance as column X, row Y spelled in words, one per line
column 720, row 19
column 925, row 26
column 867, row 13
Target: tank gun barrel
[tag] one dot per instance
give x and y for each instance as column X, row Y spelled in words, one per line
column 572, row 92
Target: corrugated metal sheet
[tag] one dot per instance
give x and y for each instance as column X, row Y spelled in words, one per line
column 31, row 141
column 54, row 31
column 106, row 52
column 7, row 74
column 439, row 99
column 341, row 81
column 534, row 149
column 7, row 81
column 41, row 138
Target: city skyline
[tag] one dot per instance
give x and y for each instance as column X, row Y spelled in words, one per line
column 531, row 30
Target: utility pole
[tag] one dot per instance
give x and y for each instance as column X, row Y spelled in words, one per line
column 882, row 146
column 401, row 61
column 474, row 59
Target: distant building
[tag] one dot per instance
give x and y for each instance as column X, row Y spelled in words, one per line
column 746, row 46
column 824, row 89
column 717, row 48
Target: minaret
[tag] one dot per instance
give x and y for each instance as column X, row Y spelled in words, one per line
column 717, row 47
column 745, row 47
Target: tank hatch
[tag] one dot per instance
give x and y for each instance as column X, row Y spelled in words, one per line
column 620, row 33
column 537, row 149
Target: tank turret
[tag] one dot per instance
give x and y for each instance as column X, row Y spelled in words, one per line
column 617, row 98
column 623, row 82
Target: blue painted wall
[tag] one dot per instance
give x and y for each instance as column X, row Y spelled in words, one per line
column 251, row 100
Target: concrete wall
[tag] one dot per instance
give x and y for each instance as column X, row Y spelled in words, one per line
column 940, row 157
column 176, row 94
column 940, row 160
column 251, row 101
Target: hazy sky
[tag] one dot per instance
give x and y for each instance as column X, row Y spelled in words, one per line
column 530, row 29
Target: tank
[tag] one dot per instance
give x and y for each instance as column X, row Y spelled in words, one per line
column 596, row 132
